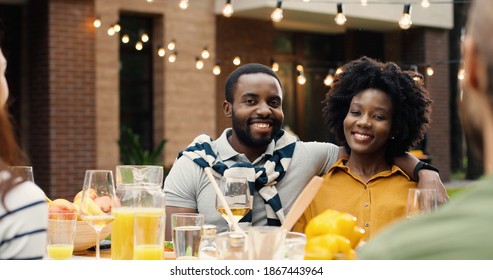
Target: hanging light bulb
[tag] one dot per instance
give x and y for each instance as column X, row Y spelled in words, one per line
column 237, row 60
column 340, row 18
column 429, row 71
column 299, row 68
column 172, row 57
column 339, row 70
column 117, row 27
column 183, row 4
column 144, row 37
column 199, row 63
column 275, row 66
column 97, row 22
column 125, row 39
column 405, row 21
column 276, row 15
column 111, row 31
column 425, row 4
column 217, row 69
column 364, row 2
column 461, row 74
column 139, row 46
column 161, row 51
column 228, row 9
column 205, row 53
column 301, row 79
column 172, row 45
column 329, row 79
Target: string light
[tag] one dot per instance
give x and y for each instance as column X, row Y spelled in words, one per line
column 228, row 9
column 139, row 46
column 329, row 78
column 276, row 15
column 205, row 53
column 461, row 74
column 125, row 39
column 117, row 27
column 172, row 57
column 111, row 31
column 97, row 22
column 429, row 71
column 339, row 70
column 183, row 4
column 149, row 1
column 172, row 45
column 144, row 38
column 301, row 79
column 275, row 65
column 217, row 69
column 161, row 51
column 199, row 63
column 237, row 60
column 425, row 4
column 405, row 21
column 340, row 18
column 306, row 1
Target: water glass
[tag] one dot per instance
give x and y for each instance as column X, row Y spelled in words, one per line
column 264, row 242
column 61, row 235
column 25, row 172
column 232, row 245
column 149, row 235
column 186, row 234
column 294, row 246
column 421, row 201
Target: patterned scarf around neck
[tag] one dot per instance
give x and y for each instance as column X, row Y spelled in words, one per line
column 263, row 178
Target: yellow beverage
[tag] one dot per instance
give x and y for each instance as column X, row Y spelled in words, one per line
column 60, row 251
column 122, row 231
column 238, row 212
column 149, row 252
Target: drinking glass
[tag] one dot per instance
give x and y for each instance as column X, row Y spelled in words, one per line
column 149, row 235
column 420, row 201
column 139, row 189
column 237, row 195
column 98, row 198
column 232, row 245
column 25, row 172
column 264, row 242
column 61, row 235
column 186, row 234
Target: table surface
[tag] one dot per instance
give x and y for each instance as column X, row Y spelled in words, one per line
column 106, row 254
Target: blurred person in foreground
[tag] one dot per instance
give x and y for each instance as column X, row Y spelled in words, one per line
column 283, row 165
column 462, row 229
column 23, row 209
column 377, row 112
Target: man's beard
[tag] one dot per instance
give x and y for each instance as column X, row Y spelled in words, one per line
column 246, row 137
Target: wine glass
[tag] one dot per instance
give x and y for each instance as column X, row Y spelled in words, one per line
column 98, row 198
column 421, row 201
column 237, row 195
column 25, row 172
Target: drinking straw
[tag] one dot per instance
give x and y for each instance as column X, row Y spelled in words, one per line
column 223, row 200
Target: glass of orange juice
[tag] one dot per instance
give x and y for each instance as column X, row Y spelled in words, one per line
column 149, row 229
column 139, row 190
column 61, row 235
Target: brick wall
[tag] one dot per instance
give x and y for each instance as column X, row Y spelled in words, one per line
column 62, row 94
column 254, row 44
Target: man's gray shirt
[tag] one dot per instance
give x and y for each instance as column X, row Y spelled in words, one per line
column 188, row 186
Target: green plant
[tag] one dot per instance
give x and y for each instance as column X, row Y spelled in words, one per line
column 132, row 152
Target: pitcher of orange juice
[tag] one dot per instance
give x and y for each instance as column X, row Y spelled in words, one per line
column 139, row 189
